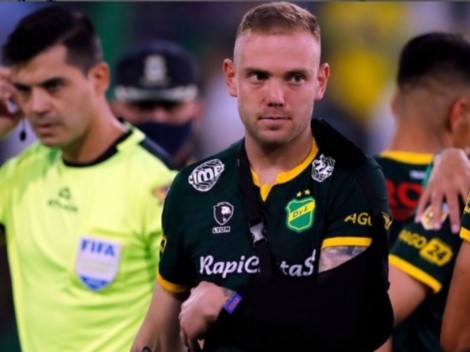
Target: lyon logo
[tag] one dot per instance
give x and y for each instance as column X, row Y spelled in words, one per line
column 223, row 212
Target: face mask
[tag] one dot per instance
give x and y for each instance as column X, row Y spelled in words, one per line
column 169, row 136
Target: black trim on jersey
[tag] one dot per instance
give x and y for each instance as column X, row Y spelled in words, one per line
column 106, row 155
column 156, row 150
column 336, row 145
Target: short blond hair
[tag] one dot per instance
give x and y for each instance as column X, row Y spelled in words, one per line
column 279, row 15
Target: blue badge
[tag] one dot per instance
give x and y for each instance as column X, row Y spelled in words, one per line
column 97, row 261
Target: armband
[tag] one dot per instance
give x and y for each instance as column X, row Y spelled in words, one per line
column 232, row 303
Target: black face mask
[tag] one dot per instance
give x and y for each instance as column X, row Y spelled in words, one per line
column 170, row 137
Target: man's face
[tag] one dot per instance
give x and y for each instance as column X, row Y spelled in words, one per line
column 57, row 98
column 276, row 78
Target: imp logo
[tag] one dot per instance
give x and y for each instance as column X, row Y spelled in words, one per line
column 322, row 168
column 223, row 212
column 205, row 176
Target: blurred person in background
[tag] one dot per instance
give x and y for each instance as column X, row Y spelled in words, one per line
column 157, row 91
column 432, row 112
column 80, row 209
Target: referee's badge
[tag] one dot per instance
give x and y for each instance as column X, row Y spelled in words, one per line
column 97, row 262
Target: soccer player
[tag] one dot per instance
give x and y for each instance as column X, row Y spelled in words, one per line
column 277, row 243
column 431, row 109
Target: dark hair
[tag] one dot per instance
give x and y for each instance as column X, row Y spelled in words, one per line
column 49, row 26
column 440, row 56
column 283, row 15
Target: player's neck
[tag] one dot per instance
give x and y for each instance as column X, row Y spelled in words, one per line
column 268, row 163
column 417, row 139
column 101, row 134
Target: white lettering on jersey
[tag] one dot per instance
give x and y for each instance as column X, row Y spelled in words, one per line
column 250, row 265
column 205, row 176
column 97, row 261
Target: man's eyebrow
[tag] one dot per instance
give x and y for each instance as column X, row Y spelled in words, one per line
column 256, row 70
column 44, row 84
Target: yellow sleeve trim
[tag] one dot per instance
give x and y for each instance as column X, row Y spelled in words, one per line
column 171, row 287
column 465, row 234
column 415, row 273
column 346, row 241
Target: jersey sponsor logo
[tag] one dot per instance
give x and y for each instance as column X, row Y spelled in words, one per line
column 364, row 219
column 223, row 212
column 437, row 252
column 322, row 168
column 403, row 198
column 412, row 239
column 417, row 174
column 63, row 201
column 299, row 270
column 97, row 262
column 428, row 216
column 205, row 176
column 209, row 266
column 300, row 214
column 250, row 265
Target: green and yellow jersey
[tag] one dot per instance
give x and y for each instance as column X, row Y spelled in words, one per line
column 404, row 174
column 465, row 221
column 316, row 217
column 82, row 242
column 428, row 256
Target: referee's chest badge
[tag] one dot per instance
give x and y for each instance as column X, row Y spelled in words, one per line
column 97, row 262
column 300, row 214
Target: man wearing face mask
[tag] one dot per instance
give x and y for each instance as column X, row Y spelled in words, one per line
column 156, row 90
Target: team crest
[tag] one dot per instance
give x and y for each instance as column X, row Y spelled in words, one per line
column 322, row 168
column 97, row 262
column 300, row 214
column 427, row 218
column 205, row 176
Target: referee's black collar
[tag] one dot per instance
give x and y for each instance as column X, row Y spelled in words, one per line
column 108, row 153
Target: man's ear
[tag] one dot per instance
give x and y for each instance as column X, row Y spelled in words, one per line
column 99, row 74
column 322, row 80
column 457, row 112
column 229, row 74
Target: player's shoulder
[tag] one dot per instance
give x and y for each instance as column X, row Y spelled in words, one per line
column 204, row 174
column 32, row 157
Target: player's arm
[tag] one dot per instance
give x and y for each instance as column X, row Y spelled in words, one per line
column 160, row 329
column 449, row 182
column 455, row 333
column 405, row 293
